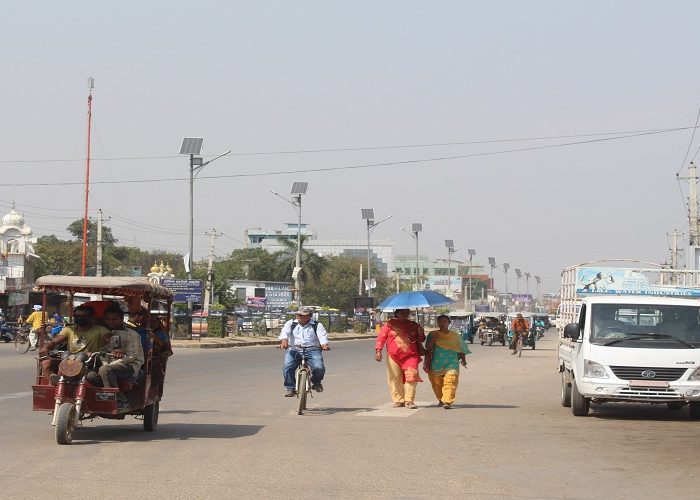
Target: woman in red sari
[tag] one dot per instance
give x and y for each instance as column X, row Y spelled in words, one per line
column 403, row 339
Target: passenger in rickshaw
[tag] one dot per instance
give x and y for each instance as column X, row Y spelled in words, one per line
column 137, row 322
column 84, row 336
column 121, row 363
column 162, row 350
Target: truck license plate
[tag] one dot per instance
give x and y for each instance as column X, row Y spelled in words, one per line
column 648, row 383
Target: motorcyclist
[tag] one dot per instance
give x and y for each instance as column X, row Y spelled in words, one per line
column 84, row 336
column 520, row 326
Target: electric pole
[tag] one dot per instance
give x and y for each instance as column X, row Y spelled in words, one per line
column 98, row 259
column 209, row 290
column 693, row 231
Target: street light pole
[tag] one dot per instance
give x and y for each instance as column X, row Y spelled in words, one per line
column 472, row 253
column 298, row 188
column 416, row 227
column 368, row 214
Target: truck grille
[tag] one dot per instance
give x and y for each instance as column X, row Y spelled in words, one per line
column 641, row 394
column 635, row 373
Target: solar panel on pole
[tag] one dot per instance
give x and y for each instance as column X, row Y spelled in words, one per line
column 191, row 145
column 416, row 227
column 450, row 244
column 367, row 213
column 299, row 187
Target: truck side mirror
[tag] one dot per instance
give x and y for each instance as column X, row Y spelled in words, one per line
column 572, row 331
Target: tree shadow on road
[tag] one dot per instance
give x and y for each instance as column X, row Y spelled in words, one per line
column 164, row 432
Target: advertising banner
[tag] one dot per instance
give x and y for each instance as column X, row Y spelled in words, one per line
column 184, row 290
column 256, row 302
column 443, row 283
column 621, row 281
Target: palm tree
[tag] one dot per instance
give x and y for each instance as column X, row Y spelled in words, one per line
column 312, row 264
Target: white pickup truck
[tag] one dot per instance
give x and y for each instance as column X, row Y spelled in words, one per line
column 631, row 335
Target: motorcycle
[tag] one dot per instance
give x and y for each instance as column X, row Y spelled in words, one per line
column 7, row 333
column 539, row 331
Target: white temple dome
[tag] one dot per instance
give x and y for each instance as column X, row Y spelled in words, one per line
column 14, row 218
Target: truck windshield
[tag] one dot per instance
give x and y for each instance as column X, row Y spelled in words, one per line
column 641, row 325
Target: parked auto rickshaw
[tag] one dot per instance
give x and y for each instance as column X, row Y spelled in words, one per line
column 491, row 329
column 531, row 338
column 463, row 322
column 73, row 399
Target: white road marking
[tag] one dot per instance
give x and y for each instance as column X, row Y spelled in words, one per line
column 387, row 410
column 15, row 395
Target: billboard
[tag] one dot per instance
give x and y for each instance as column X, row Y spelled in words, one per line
column 443, row 283
column 184, row 290
column 622, row 281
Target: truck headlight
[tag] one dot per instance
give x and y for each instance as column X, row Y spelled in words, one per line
column 594, row 370
column 695, row 375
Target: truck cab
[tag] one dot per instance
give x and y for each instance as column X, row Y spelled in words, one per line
column 632, row 348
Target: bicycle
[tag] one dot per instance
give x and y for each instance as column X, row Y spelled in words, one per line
column 519, row 344
column 22, row 344
column 302, row 377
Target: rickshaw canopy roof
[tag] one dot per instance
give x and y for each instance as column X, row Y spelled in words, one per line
column 126, row 286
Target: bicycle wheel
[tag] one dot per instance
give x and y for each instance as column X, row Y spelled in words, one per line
column 22, row 342
column 301, row 392
column 520, row 345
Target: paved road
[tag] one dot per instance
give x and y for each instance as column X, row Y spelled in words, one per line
column 225, row 431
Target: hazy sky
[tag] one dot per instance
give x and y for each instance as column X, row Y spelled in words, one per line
column 272, row 80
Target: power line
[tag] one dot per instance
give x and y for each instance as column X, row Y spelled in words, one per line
column 690, row 144
column 360, row 166
column 367, row 148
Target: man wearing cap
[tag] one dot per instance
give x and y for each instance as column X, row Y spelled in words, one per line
column 37, row 319
column 298, row 333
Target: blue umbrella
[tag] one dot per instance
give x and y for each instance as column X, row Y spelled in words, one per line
column 413, row 300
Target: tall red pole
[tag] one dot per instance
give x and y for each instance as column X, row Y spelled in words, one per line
column 87, row 186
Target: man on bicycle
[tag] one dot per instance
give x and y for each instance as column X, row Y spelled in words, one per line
column 303, row 332
column 520, row 327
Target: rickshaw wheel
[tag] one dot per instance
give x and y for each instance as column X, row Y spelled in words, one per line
column 150, row 416
column 65, row 423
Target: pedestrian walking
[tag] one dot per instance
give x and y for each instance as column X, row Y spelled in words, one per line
column 445, row 351
column 404, row 345
column 36, row 319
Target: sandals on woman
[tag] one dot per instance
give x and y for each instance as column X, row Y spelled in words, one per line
column 410, row 404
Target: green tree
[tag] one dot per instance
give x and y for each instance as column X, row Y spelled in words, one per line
column 57, row 256
column 312, row 264
column 338, row 284
column 76, row 230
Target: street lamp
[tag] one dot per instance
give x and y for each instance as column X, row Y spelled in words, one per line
column 416, row 228
column 506, row 266
column 193, row 146
column 472, row 253
column 492, row 263
column 450, row 244
column 298, row 189
column 527, row 283
column 518, row 274
column 538, row 280
column 368, row 214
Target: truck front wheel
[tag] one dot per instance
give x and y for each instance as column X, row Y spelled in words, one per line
column 579, row 404
column 565, row 392
column 694, row 410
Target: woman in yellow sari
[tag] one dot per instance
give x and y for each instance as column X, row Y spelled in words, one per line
column 445, row 351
